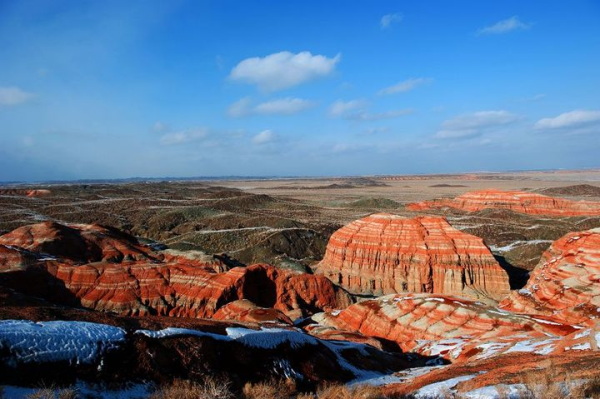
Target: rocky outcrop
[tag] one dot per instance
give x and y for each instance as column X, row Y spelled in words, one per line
column 565, row 283
column 456, row 329
column 77, row 243
column 27, row 193
column 36, row 352
column 517, row 201
column 123, row 276
column 246, row 311
column 384, row 253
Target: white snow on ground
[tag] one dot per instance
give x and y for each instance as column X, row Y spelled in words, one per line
column 177, row 332
column 270, row 338
column 53, row 341
column 265, row 338
column 544, row 347
column 398, row 377
column 512, row 245
column 512, row 391
column 442, row 346
column 439, row 389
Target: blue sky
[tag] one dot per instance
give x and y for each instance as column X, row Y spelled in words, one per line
column 101, row 89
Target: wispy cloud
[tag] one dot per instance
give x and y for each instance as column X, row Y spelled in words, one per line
column 356, row 110
column 504, row 26
column 474, row 124
column 283, row 70
column 264, row 137
column 185, row 136
column 281, row 106
column 376, row 116
column 388, row 20
column 14, row 96
column 404, row 86
column 570, row 120
column 341, row 108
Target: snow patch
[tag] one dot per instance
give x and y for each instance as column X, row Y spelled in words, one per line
column 75, row 342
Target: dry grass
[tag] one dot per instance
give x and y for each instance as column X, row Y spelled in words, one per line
column 209, row 388
column 54, row 393
column 282, row 389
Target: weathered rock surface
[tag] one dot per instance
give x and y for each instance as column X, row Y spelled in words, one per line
column 247, row 311
column 78, row 243
column 127, row 278
column 384, row 253
column 566, row 282
column 517, row 201
column 455, row 329
column 22, row 192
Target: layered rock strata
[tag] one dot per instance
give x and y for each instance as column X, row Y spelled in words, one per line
column 517, row 201
column 384, row 253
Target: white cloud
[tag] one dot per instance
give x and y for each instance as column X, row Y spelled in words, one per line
column 570, row 120
column 14, row 96
column 341, row 108
column 389, row 19
column 474, row 124
column 183, row 137
column 504, row 26
column 283, row 70
column 405, row 86
column 281, row 106
column 264, row 137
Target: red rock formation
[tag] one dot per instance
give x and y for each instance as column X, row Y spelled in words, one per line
column 77, row 243
column 28, row 193
column 384, row 253
column 565, row 283
column 457, row 329
column 246, row 311
column 127, row 278
column 517, row 201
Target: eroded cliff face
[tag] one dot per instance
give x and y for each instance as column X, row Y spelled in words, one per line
column 384, row 253
column 517, row 201
column 564, row 284
column 104, row 269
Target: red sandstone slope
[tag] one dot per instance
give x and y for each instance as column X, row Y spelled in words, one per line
column 384, row 253
column 78, row 243
column 517, row 201
column 565, row 283
column 127, row 278
column 28, row 193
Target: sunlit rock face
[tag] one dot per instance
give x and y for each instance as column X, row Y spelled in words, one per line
column 384, row 253
column 565, row 283
column 105, row 269
column 517, row 201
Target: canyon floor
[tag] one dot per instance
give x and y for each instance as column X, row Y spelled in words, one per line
column 285, row 321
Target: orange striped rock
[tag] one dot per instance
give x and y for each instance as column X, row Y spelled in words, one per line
column 383, row 254
column 452, row 328
column 566, row 282
column 517, row 201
